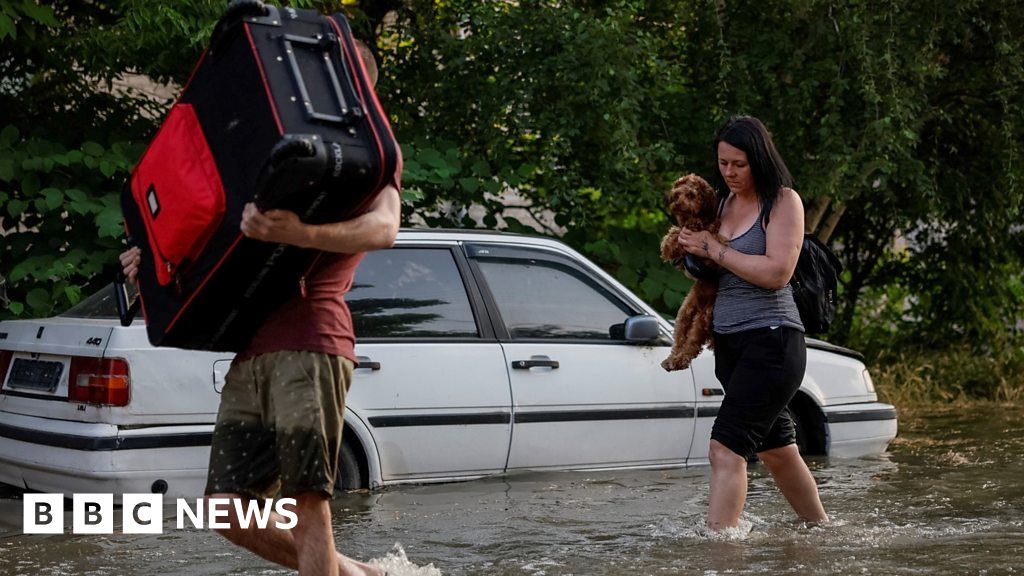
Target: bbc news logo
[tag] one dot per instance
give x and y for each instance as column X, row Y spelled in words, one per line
column 144, row 513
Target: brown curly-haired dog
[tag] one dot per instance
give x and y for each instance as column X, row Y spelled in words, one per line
column 694, row 205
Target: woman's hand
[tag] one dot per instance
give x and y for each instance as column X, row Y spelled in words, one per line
column 702, row 244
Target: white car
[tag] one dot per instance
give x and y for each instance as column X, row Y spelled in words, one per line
column 479, row 354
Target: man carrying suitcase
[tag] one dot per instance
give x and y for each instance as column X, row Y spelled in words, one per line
column 280, row 419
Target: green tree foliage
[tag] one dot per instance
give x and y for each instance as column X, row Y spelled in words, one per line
column 560, row 103
column 900, row 120
column 69, row 135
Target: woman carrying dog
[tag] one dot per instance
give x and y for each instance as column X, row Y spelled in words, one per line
column 759, row 340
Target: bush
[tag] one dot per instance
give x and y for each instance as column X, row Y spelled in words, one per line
column 958, row 373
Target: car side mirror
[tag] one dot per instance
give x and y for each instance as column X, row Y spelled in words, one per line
column 641, row 328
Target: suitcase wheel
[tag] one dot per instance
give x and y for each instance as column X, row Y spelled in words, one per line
column 233, row 14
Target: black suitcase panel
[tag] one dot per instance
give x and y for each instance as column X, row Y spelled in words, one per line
column 279, row 111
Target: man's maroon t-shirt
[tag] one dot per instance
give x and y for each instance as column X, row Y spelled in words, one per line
column 320, row 320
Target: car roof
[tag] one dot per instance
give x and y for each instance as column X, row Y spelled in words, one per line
column 474, row 235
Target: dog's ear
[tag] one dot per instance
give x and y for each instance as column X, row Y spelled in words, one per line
column 676, row 202
column 709, row 201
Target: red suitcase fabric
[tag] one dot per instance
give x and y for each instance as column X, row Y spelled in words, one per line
column 179, row 192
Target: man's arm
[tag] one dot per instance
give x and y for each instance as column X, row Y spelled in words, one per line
column 373, row 230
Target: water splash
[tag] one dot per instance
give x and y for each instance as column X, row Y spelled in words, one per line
column 396, row 563
column 696, row 528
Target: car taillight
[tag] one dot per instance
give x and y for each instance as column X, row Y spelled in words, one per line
column 102, row 381
column 5, row 363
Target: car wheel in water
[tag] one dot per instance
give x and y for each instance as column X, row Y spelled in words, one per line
column 810, row 426
column 350, row 475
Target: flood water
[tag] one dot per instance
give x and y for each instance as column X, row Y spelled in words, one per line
column 948, row 498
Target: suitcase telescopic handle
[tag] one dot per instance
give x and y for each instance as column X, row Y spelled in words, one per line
column 126, row 308
column 321, row 45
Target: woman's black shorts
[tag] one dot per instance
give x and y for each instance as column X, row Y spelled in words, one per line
column 761, row 370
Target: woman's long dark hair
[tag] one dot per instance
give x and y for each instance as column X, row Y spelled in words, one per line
column 766, row 166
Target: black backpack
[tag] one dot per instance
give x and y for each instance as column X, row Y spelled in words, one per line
column 814, row 283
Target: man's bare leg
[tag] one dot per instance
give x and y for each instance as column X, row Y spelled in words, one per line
column 314, row 541
column 795, row 481
column 279, row 545
column 728, row 490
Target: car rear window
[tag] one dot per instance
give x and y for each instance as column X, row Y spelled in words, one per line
column 410, row 293
column 101, row 304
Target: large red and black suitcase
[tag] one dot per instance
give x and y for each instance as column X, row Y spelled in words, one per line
column 278, row 111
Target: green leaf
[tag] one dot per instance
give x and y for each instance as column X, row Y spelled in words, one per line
column 432, row 158
column 7, row 27
column 412, row 195
column 16, row 308
column 8, row 136
column 54, row 198
column 492, row 186
column 75, row 195
column 627, row 276
column 16, row 207
column 21, row 270
column 73, row 293
column 92, row 149
column 651, row 288
column 6, row 169
column 30, row 183
column 110, row 222
column 86, row 206
column 39, row 147
column 39, row 300
column 108, row 169
column 42, row 14
column 482, row 169
column 470, row 185
column 527, row 170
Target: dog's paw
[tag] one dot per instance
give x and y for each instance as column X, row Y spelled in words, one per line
column 671, row 365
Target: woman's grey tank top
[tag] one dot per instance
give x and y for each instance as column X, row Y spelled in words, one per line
column 741, row 305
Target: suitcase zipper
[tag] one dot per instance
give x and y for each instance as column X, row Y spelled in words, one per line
column 168, row 265
column 179, row 272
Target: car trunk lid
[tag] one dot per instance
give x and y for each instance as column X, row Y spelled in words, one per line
column 44, row 364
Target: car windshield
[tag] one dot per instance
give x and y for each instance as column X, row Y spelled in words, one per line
column 101, row 304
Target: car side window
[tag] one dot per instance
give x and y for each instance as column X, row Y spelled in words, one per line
column 544, row 298
column 410, row 293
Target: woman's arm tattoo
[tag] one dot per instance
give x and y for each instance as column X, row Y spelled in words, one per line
column 706, row 247
column 721, row 253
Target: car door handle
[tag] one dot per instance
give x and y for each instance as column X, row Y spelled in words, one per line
column 542, row 362
column 364, row 362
